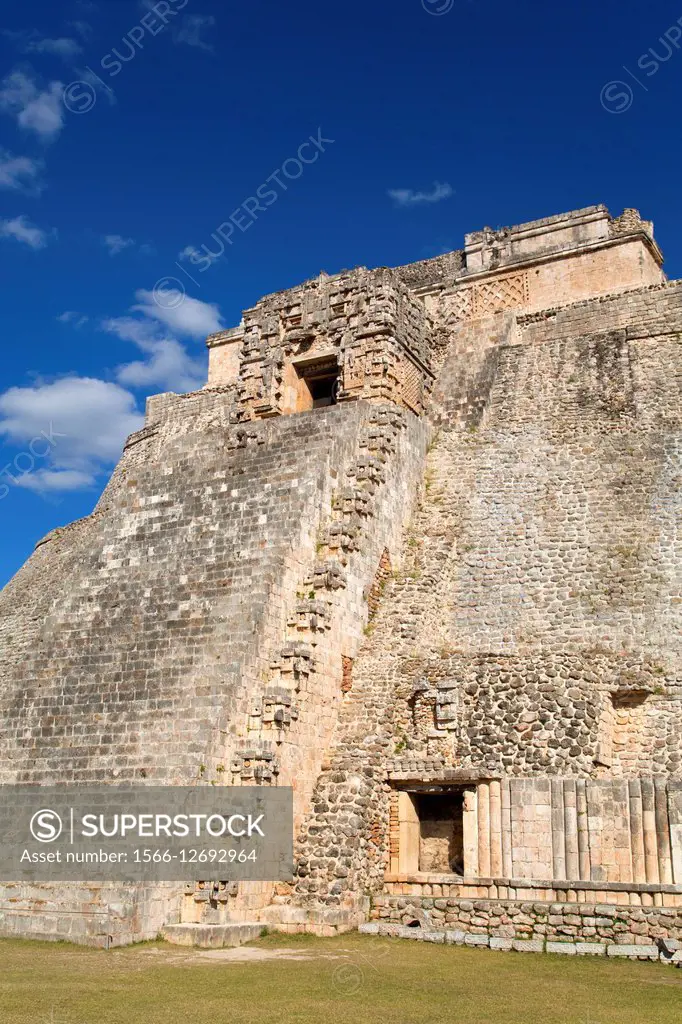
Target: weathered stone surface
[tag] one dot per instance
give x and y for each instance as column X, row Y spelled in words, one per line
column 275, row 594
column 640, row 952
column 565, row 948
column 528, row 945
column 212, row 936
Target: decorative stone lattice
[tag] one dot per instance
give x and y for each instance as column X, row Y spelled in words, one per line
column 508, row 292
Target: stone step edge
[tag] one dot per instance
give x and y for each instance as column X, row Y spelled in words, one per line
column 212, row 936
column 459, row 938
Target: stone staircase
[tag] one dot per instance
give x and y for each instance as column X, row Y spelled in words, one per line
column 340, row 847
column 276, row 708
column 275, row 711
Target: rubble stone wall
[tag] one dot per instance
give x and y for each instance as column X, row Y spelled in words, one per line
column 595, row 929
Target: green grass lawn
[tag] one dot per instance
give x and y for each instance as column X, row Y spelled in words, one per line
column 351, row 978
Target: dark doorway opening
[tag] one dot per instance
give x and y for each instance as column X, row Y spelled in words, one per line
column 323, row 390
column 441, row 832
column 321, row 383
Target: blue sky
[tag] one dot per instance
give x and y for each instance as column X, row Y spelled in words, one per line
column 131, row 131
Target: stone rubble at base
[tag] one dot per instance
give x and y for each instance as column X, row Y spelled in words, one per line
column 649, row 951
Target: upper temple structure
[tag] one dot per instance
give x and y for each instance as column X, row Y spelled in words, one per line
column 414, row 550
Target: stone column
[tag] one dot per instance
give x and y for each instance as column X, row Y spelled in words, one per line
column 495, row 829
column 675, row 819
column 409, row 834
column 470, row 833
column 506, row 830
column 558, row 837
column 571, row 830
column 636, row 831
column 583, row 830
column 484, row 829
column 665, row 860
column 649, row 831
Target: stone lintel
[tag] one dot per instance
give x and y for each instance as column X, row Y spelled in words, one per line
column 427, row 778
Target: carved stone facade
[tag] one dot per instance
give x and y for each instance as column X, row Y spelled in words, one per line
column 414, row 550
column 362, row 327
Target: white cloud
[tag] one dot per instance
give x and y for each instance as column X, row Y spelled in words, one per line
column 191, row 253
column 168, row 365
column 63, row 47
column 182, row 314
column 128, row 328
column 191, row 31
column 71, row 317
column 19, row 172
column 36, row 109
column 51, row 481
column 117, row 243
column 408, row 197
column 86, row 420
column 23, row 231
column 79, row 422
column 33, row 42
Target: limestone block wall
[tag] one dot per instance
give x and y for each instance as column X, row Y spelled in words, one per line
column 121, row 668
column 567, row 516
column 648, row 312
column 489, row 248
column 183, row 632
column 541, row 262
column 292, row 710
column 549, row 237
column 534, row 630
column 97, row 915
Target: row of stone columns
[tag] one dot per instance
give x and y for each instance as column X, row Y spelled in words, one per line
column 650, row 832
column 598, row 830
column 563, row 830
column 570, row 832
column 487, row 830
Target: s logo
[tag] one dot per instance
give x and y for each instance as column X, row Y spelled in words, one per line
column 46, row 826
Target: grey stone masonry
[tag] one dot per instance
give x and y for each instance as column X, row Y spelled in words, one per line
column 415, row 551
